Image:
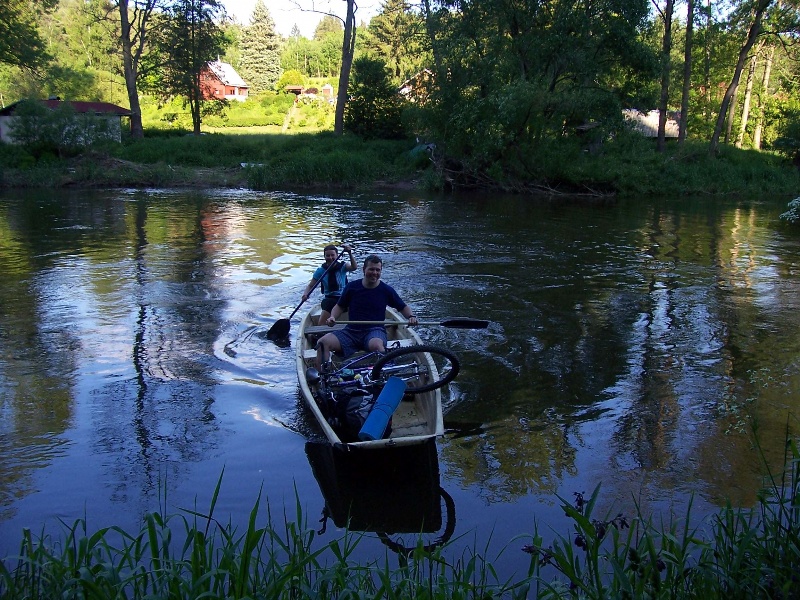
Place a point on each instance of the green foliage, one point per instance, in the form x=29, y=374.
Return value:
x=190, y=38
x=324, y=159
x=21, y=43
x=396, y=34
x=328, y=24
x=374, y=109
x=267, y=109
x=260, y=48
x=793, y=214
x=290, y=77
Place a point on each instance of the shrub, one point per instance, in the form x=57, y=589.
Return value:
x=374, y=110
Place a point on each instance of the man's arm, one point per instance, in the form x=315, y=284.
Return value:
x=336, y=312
x=409, y=315
x=308, y=289
x=352, y=266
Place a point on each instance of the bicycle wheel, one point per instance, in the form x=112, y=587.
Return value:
x=420, y=373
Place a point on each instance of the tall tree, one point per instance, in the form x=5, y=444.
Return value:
x=394, y=34
x=687, y=71
x=261, y=60
x=748, y=94
x=327, y=24
x=762, y=97
x=758, y=8
x=134, y=20
x=666, y=51
x=190, y=39
x=348, y=50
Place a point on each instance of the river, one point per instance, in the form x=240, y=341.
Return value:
x=632, y=344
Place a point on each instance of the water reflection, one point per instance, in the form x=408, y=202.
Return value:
x=389, y=492
x=629, y=343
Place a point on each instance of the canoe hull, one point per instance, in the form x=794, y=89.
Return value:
x=417, y=420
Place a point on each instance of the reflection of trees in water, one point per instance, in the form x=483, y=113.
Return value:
x=513, y=457
x=176, y=325
x=643, y=326
x=36, y=352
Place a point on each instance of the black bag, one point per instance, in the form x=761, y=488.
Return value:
x=352, y=409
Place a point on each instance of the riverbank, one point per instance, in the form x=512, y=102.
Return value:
x=322, y=160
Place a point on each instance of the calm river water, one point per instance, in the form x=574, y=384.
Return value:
x=630, y=343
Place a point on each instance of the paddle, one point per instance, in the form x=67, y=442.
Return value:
x=456, y=323
x=280, y=330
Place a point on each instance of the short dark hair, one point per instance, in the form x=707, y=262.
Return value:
x=373, y=258
x=330, y=247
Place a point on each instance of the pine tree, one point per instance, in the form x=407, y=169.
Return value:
x=261, y=58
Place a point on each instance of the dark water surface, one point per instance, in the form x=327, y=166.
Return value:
x=629, y=344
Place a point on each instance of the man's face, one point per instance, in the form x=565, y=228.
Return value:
x=372, y=273
x=330, y=256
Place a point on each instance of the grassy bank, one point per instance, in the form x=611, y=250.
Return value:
x=626, y=167
x=744, y=554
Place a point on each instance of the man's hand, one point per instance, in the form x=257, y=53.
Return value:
x=330, y=322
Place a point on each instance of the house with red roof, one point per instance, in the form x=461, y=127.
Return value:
x=100, y=120
x=219, y=80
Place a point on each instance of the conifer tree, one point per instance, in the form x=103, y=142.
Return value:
x=261, y=57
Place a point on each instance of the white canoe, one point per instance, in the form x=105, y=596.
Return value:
x=417, y=419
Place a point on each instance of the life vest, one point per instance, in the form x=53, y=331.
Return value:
x=331, y=285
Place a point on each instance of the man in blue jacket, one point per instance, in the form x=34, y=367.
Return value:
x=334, y=281
x=364, y=299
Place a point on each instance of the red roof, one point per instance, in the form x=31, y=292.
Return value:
x=97, y=108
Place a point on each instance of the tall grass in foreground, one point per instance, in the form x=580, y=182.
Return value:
x=749, y=554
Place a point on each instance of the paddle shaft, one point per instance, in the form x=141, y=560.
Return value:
x=463, y=323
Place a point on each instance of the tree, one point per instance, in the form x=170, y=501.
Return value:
x=395, y=34
x=328, y=24
x=190, y=38
x=134, y=21
x=20, y=41
x=666, y=50
x=373, y=110
x=348, y=50
x=758, y=9
x=511, y=75
x=687, y=71
x=261, y=61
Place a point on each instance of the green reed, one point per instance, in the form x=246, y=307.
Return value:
x=747, y=553
x=736, y=553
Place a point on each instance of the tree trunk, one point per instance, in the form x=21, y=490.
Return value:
x=130, y=65
x=687, y=72
x=663, y=103
x=707, y=65
x=752, y=35
x=348, y=49
x=762, y=98
x=748, y=92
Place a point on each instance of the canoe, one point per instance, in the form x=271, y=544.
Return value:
x=417, y=417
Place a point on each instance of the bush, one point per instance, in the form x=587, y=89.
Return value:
x=374, y=110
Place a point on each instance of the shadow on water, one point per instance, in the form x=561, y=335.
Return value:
x=388, y=492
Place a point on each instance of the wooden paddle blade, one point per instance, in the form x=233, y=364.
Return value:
x=465, y=323
x=279, y=331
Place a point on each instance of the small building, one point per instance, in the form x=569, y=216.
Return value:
x=110, y=116
x=417, y=88
x=297, y=90
x=219, y=80
x=647, y=123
